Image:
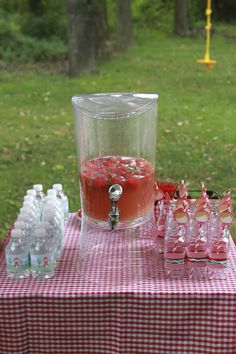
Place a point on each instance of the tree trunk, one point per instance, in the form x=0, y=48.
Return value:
x=124, y=35
x=87, y=34
x=181, y=27
x=102, y=31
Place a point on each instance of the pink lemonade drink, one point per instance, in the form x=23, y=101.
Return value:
x=135, y=175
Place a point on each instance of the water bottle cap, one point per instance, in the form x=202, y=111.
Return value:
x=16, y=233
x=51, y=192
x=38, y=187
x=19, y=224
x=31, y=192
x=40, y=232
x=57, y=187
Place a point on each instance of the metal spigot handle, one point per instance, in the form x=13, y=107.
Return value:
x=115, y=192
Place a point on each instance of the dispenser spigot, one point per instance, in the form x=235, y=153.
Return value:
x=115, y=192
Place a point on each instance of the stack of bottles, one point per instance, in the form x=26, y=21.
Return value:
x=196, y=242
x=36, y=240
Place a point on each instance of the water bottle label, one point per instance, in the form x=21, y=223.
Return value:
x=42, y=262
x=17, y=263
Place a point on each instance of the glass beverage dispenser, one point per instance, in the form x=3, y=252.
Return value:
x=116, y=147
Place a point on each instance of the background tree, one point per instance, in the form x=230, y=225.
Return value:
x=124, y=34
x=37, y=7
x=87, y=34
x=181, y=27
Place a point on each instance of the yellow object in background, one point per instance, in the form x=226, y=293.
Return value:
x=207, y=61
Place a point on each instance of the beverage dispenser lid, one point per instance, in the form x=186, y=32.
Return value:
x=113, y=105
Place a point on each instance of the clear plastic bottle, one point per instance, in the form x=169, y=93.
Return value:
x=40, y=196
x=42, y=256
x=51, y=192
x=27, y=209
x=56, y=227
x=197, y=250
x=34, y=202
x=38, y=200
x=62, y=196
x=218, y=251
x=17, y=255
x=21, y=225
x=52, y=233
x=32, y=206
x=30, y=224
x=54, y=203
x=174, y=250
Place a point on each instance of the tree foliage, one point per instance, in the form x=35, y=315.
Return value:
x=33, y=30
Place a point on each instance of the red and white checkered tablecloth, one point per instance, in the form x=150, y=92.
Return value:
x=68, y=314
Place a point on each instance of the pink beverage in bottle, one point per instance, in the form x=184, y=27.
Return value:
x=174, y=255
x=219, y=242
x=218, y=248
x=197, y=245
x=175, y=249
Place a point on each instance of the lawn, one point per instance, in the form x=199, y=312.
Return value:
x=196, y=120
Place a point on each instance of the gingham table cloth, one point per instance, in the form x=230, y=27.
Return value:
x=68, y=314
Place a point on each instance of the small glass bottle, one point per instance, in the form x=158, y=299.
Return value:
x=174, y=248
x=197, y=249
x=42, y=256
x=17, y=256
x=218, y=252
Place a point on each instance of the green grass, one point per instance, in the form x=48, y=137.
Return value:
x=196, y=121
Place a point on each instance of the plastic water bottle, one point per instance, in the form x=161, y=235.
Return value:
x=17, y=256
x=40, y=196
x=53, y=235
x=54, y=204
x=27, y=218
x=56, y=227
x=42, y=256
x=21, y=225
x=38, y=200
x=62, y=196
x=31, y=213
x=36, y=206
x=53, y=197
